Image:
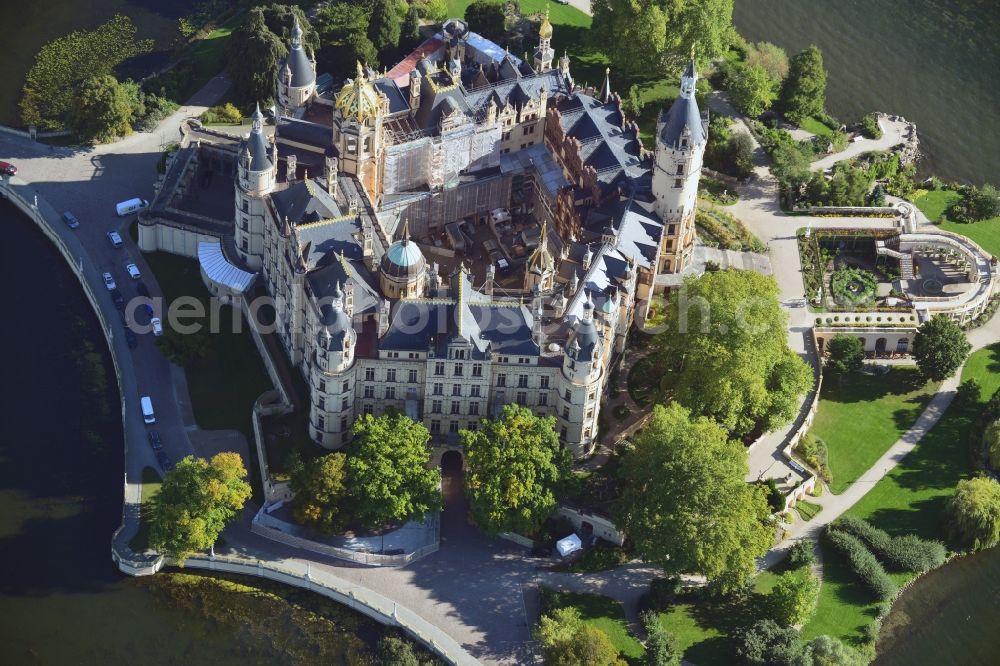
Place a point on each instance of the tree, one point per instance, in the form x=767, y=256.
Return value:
x=976, y=204
x=686, y=504
x=320, y=488
x=513, y=463
x=801, y=554
x=790, y=165
x=254, y=54
x=101, y=110
x=793, y=598
x=741, y=151
x=847, y=354
x=767, y=644
x=487, y=18
x=940, y=348
x=661, y=645
x=991, y=440
x=387, y=470
x=567, y=641
x=432, y=10
x=184, y=348
x=725, y=353
x=196, y=501
x=804, y=92
x=975, y=512
x=409, y=32
x=394, y=651
x=771, y=58
x=343, y=30
x=384, y=25
x=752, y=90
x=828, y=651
x=279, y=19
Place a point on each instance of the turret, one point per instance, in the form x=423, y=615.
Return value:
x=606, y=87
x=414, y=91
x=297, y=75
x=255, y=178
x=544, y=53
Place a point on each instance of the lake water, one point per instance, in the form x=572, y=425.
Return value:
x=935, y=62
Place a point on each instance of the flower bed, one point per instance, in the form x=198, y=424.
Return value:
x=853, y=286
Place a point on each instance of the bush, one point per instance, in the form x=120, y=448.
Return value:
x=223, y=114
x=661, y=645
x=813, y=452
x=863, y=563
x=662, y=592
x=976, y=204
x=902, y=553
x=801, y=554
x=991, y=440
x=766, y=643
x=793, y=598
x=870, y=127
x=394, y=651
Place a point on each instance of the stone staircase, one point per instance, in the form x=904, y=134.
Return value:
x=888, y=248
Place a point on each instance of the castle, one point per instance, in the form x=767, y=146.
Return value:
x=461, y=232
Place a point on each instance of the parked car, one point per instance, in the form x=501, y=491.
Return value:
x=157, y=326
x=165, y=462
x=71, y=220
x=154, y=440
x=115, y=238
x=131, y=338
x=109, y=281
x=8, y=169
x=133, y=271
x=142, y=289
x=118, y=299
x=132, y=205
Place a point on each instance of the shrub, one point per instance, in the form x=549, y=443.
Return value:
x=793, y=598
x=975, y=513
x=801, y=554
x=976, y=204
x=902, y=553
x=765, y=642
x=870, y=127
x=775, y=498
x=394, y=651
x=813, y=451
x=661, y=645
x=663, y=591
x=222, y=114
x=991, y=440
x=863, y=563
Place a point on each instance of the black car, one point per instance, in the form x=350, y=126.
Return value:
x=141, y=287
x=119, y=300
x=164, y=461
x=131, y=338
x=154, y=440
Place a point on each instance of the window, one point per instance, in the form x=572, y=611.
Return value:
x=320, y=423
x=344, y=403
x=472, y=427
x=590, y=396
x=438, y=389
x=680, y=169
x=543, y=399
x=435, y=427
x=566, y=395
x=671, y=229
x=501, y=380
x=456, y=389
x=453, y=426
x=412, y=377
x=321, y=403
x=545, y=382
x=439, y=368
x=246, y=244
x=322, y=385
x=246, y=224
x=369, y=391
x=368, y=409
x=435, y=407
x=474, y=408
x=343, y=424
x=522, y=397
x=477, y=370
x=590, y=414
x=586, y=433
x=566, y=413
x=506, y=136
x=347, y=385
x=474, y=391
x=246, y=206
x=562, y=433
x=370, y=374
x=390, y=375
x=522, y=381
x=390, y=392
x=458, y=369
x=677, y=182
x=456, y=407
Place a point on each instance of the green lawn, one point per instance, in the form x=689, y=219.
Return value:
x=816, y=127
x=909, y=500
x=682, y=621
x=934, y=204
x=860, y=416
x=151, y=483
x=807, y=510
x=602, y=612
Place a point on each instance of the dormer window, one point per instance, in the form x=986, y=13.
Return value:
x=684, y=143
x=680, y=169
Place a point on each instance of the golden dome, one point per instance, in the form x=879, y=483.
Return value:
x=358, y=99
x=545, y=29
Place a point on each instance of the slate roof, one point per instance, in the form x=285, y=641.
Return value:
x=398, y=102
x=298, y=62
x=516, y=91
x=303, y=202
x=335, y=271
x=302, y=131
x=683, y=115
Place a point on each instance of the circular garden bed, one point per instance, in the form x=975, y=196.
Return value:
x=853, y=286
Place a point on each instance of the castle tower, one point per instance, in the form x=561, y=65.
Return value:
x=359, y=111
x=606, y=88
x=564, y=68
x=544, y=53
x=540, y=271
x=414, y=90
x=403, y=271
x=296, y=75
x=331, y=378
x=681, y=136
x=580, y=382
x=255, y=178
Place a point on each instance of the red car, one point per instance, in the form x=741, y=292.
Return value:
x=8, y=169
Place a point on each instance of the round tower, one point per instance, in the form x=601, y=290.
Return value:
x=297, y=74
x=403, y=271
x=255, y=178
x=580, y=383
x=331, y=410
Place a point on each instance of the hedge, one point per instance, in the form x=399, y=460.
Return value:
x=902, y=553
x=863, y=563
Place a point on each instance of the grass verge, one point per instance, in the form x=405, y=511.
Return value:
x=934, y=205
x=151, y=483
x=602, y=612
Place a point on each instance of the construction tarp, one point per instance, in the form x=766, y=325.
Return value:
x=570, y=544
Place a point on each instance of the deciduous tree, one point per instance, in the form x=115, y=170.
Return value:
x=196, y=501
x=567, y=641
x=847, y=354
x=766, y=644
x=254, y=54
x=771, y=57
x=487, y=18
x=975, y=513
x=804, y=92
x=725, y=352
x=828, y=651
x=320, y=488
x=387, y=470
x=101, y=110
x=793, y=598
x=183, y=348
x=513, y=463
x=940, y=348
x=686, y=504
x=752, y=90
x=790, y=165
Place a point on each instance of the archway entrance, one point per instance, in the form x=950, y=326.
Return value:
x=453, y=517
x=880, y=346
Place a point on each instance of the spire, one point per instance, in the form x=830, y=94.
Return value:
x=606, y=88
x=545, y=28
x=258, y=120
x=406, y=230
x=296, y=33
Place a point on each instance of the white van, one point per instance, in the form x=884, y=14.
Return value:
x=130, y=206
x=147, y=410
